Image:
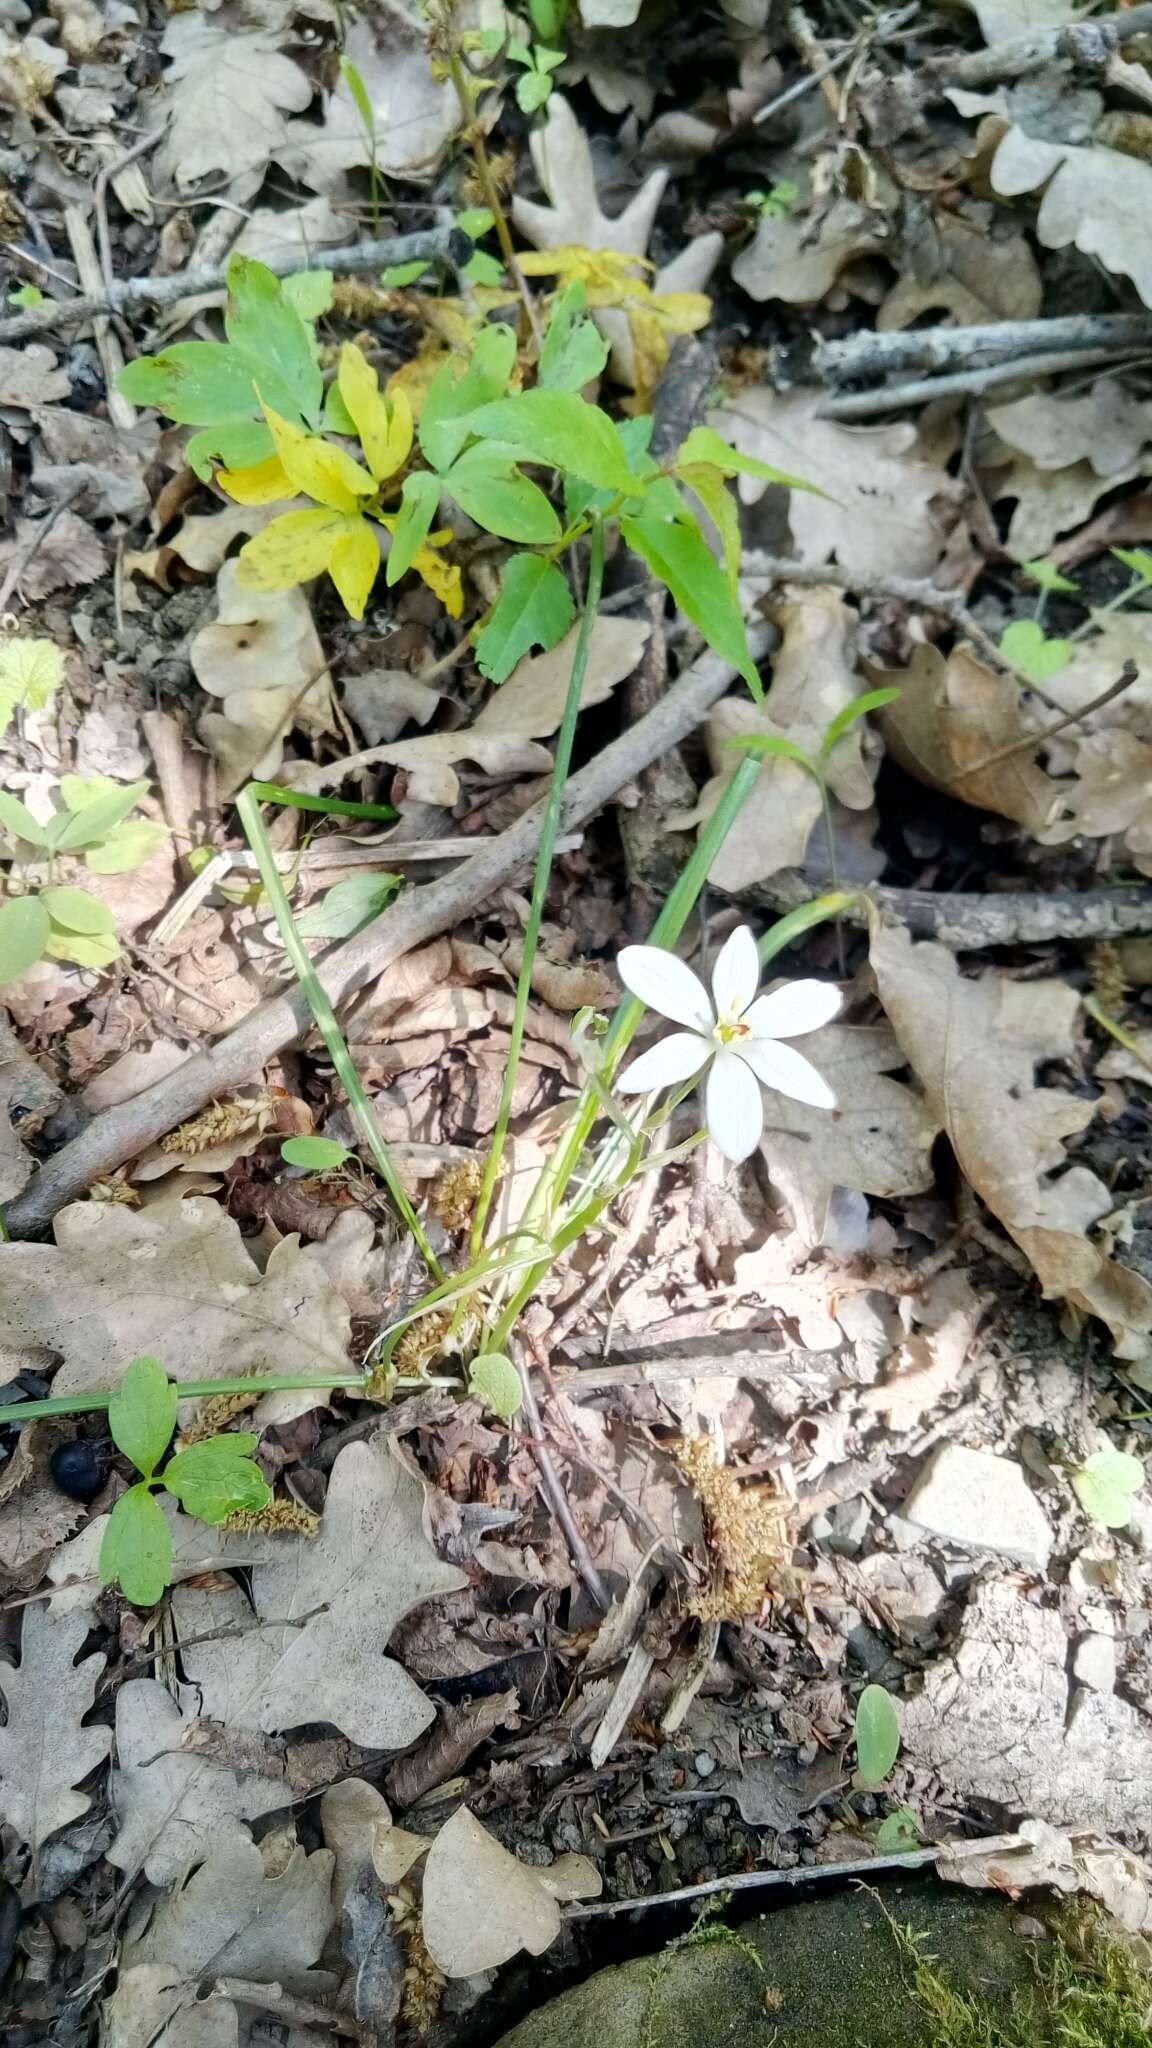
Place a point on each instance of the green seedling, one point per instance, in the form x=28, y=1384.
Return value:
x=777, y=202
x=1106, y=1486
x=317, y=1155
x=211, y=1480
x=40, y=918
x=1025, y=646
x=534, y=87
x=877, y=1735
x=1047, y=577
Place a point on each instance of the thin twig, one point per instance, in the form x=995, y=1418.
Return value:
x=433, y=245
x=553, y=1487
x=867, y=405
x=968, y=922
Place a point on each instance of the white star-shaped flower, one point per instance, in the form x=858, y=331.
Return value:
x=735, y=1032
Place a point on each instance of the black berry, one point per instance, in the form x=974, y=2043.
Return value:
x=79, y=1469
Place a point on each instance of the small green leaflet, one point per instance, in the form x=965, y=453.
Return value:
x=127, y=846
x=198, y=383
x=310, y=291
x=476, y=221
x=18, y=822
x=487, y=486
x=496, y=1382
x=1138, y=560
x=898, y=1830
x=635, y=434
x=877, y=1737
x=398, y=275
x=703, y=445
x=1047, y=576
x=1026, y=645
x=534, y=609
x=277, y=344
x=31, y=672
x=446, y=415
x=92, y=817
x=319, y=1155
x=24, y=933
x=74, y=910
x=677, y=552
x=562, y=430
x=574, y=349
x=868, y=700
x=142, y=1414
x=765, y=746
x=418, y=501
x=137, y=1549
x=238, y=444
x=348, y=906
x=218, y=1478
x=1106, y=1486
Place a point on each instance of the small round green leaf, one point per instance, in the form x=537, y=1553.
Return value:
x=495, y=1380
x=217, y=1478
x=136, y=1552
x=877, y=1736
x=24, y=933
x=74, y=910
x=1105, y=1486
x=319, y=1155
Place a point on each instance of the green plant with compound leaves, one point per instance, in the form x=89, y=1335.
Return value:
x=43, y=917
x=211, y=1480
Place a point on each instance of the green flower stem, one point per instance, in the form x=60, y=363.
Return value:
x=555, y=1176
x=248, y=808
x=553, y=814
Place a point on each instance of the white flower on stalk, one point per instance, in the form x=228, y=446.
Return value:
x=735, y=1032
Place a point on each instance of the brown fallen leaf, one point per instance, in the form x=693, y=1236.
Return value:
x=415, y=111
x=878, y=1140
x=952, y=720
x=1049, y=502
x=974, y=1046
x=48, y=1695
x=813, y=678
x=215, y=70
x=29, y=377
x=797, y=260
x=1106, y=426
x=263, y=658
x=1111, y=796
x=70, y=554
x=480, y=1904
x=885, y=510
x=974, y=276
x=1119, y=638
x=173, y=1806
x=1096, y=198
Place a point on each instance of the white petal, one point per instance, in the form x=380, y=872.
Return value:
x=734, y=1107
x=787, y=1071
x=793, y=1009
x=736, y=975
x=665, y=984
x=674, y=1059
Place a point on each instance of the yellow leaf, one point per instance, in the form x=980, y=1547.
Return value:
x=682, y=312
x=602, y=269
x=414, y=378
x=650, y=325
x=317, y=468
x=443, y=578
x=385, y=429
x=262, y=484
x=354, y=562
x=293, y=549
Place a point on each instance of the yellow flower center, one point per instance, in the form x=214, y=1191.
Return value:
x=730, y=1028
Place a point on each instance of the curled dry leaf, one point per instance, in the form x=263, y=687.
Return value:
x=1045, y=1856
x=264, y=659
x=1106, y=426
x=812, y=679
x=796, y=260
x=885, y=510
x=877, y=1141
x=974, y=1046
x=1095, y=198
x=176, y=1283
x=481, y=1905
x=952, y=719
x=44, y=1748
x=503, y=740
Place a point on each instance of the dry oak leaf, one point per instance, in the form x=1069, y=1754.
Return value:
x=173, y=1806
x=798, y=260
x=813, y=678
x=1111, y=796
x=885, y=511
x=503, y=740
x=973, y=1046
x=370, y=1564
x=414, y=114
x=69, y=554
x=1002, y=20
x=1096, y=198
x=1120, y=637
x=44, y=1747
x=562, y=156
x=953, y=716
x=1106, y=426
x=878, y=1140
x=1049, y=502
x=973, y=276
x=481, y=1905
x=233, y=1917
x=29, y=377
x=225, y=99
x=263, y=657
x=174, y=1282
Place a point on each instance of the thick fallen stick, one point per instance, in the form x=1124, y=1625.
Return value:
x=1089, y=43
x=435, y=245
x=865, y=355
x=419, y=915
x=968, y=923
x=882, y=398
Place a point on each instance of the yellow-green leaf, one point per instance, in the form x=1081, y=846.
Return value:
x=260, y=484
x=24, y=930
x=353, y=566
x=127, y=846
x=561, y=429
x=318, y=468
x=84, y=949
x=707, y=482
x=293, y=549
x=383, y=424
x=74, y=910
x=31, y=672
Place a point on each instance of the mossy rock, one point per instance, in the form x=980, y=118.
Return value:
x=833, y=1974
